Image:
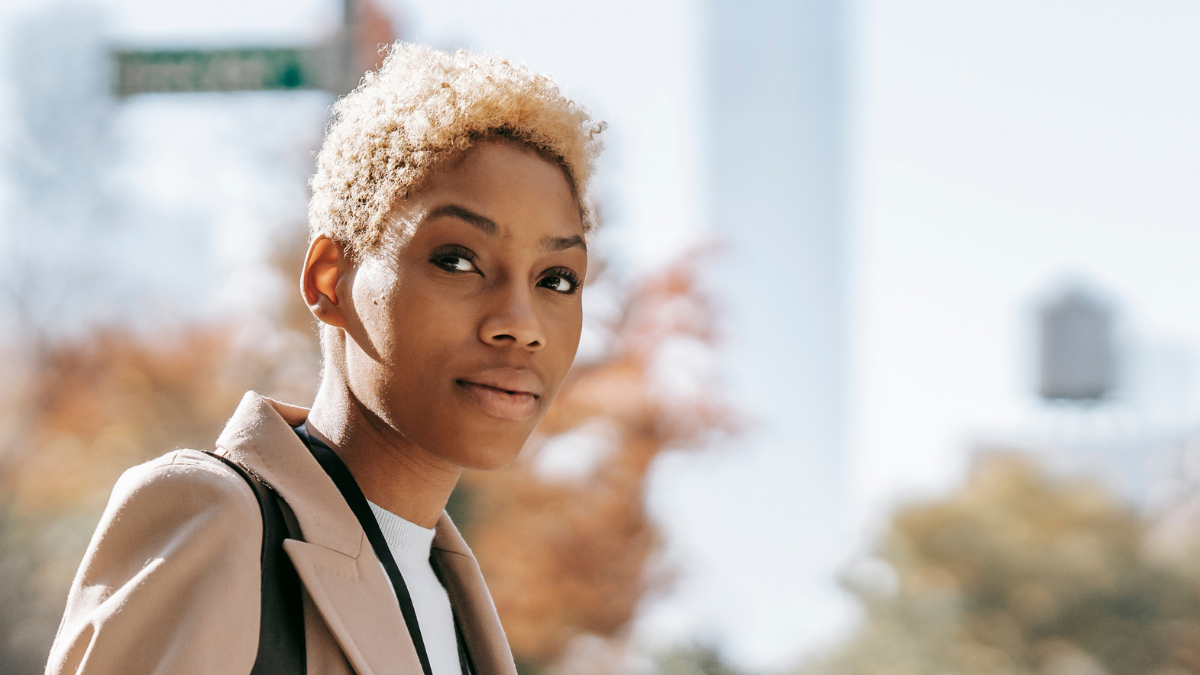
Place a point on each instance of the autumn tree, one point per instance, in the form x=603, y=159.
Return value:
x=1019, y=572
x=90, y=409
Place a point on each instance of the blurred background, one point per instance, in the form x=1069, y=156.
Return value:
x=890, y=367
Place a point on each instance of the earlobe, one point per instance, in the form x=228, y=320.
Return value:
x=319, y=280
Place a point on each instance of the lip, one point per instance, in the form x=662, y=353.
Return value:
x=505, y=393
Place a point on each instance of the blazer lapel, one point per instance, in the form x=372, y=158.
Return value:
x=335, y=562
x=471, y=601
x=351, y=594
x=259, y=436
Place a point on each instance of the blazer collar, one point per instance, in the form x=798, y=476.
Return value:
x=351, y=590
x=259, y=436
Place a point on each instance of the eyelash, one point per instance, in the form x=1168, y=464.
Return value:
x=450, y=252
x=563, y=273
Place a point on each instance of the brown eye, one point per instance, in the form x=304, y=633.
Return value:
x=454, y=259
x=561, y=281
x=454, y=263
x=559, y=284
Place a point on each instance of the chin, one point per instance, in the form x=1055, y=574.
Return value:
x=491, y=458
x=496, y=452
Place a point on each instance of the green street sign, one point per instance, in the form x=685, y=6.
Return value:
x=143, y=72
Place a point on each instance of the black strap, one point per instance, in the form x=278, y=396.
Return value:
x=281, y=624
x=353, y=495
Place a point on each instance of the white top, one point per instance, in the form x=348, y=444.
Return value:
x=410, y=545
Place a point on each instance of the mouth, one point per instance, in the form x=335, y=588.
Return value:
x=500, y=402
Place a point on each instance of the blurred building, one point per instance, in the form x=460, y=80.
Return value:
x=778, y=139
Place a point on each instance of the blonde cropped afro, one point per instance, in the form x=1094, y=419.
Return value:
x=422, y=107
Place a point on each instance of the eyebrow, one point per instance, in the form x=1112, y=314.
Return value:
x=482, y=223
x=555, y=244
x=490, y=228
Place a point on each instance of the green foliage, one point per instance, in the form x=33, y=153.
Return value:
x=1018, y=573
x=695, y=660
x=17, y=567
x=37, y=558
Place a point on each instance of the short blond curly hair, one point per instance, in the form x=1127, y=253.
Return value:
x=424, y=106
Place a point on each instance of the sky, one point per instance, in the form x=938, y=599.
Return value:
x=1007, y=149
x=996, y=151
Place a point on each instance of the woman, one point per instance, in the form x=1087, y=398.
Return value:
x=448, y=223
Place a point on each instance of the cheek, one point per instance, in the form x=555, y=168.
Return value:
x=375, y=297
x=411, y=321
x=564, y=329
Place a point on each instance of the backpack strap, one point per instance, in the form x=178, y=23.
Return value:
x=281, y=628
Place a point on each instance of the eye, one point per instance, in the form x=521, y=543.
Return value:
x=560, y=281
x=454, y=259
x=456, y=263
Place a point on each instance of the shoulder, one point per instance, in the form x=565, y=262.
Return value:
x=173, y=568
x=186, y=467
x=186, y=480
x=183, y=499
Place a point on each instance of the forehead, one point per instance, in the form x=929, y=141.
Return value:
x=509, y=183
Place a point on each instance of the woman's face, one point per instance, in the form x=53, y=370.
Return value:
x=464, y=322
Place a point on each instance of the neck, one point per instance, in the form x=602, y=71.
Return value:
x=391, y=470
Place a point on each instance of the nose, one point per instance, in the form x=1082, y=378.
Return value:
x=513, y=321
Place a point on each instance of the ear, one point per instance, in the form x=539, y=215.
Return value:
x=324, y=267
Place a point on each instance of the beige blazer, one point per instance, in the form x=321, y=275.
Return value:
x=170, y=581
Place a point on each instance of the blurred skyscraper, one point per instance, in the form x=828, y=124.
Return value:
x=778, y=141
